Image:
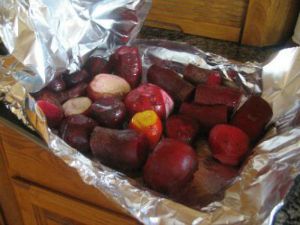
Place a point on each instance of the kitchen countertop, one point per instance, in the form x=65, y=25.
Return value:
x=290, y=213
x=227, y=49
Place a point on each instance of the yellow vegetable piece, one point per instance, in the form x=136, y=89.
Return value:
x=144, y=119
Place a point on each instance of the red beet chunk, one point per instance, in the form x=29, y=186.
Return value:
x=109, y=111
x=253, y=116
x=209, y=183
x=214, y=78
x=121, y=149
x=207, y=116
x=228, y=144
x=217, y=95
x=171, y=166
x=74, y=92
x=197, y=75
x=127, y=63
x=75, y=131
x=57, y=84
x=75, y=78
x=149, y=97
x=52, y=110
x=96, y=65
x=179, y=89
x=182, y=128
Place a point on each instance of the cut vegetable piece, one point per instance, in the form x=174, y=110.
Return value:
x=207, y=116
x=109, y=111
x=149, y=124
x=253, y=116
x=170, y=166
x=228, y=144
x=217, y=95
x=149, y=97
x=179, y=89
x=126, y=150
x=75, y=130
x=107, y=85
x=127, y=64
x=182, y=128
x=53, y=112
x=79, y=105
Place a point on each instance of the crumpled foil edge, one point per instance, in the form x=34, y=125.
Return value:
x=252, y=199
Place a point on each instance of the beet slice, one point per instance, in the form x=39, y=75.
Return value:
x=179, y=89
x=217, y=95
x=75, y=130
x=127, y=63
x=107, y=85
x=126, y=150
x=109, y=111
x=228, y=144
x=253, y=116
x=53, y=112
x=207, y=116
x=149, y=97
x=182, y=128
x=79, y=105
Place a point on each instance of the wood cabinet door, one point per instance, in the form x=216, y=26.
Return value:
x=1, y=218
x=44, y=207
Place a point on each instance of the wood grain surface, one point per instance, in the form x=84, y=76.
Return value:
x=45, y=186
x=270, y=22
x=250, y=22
x=8, y=200
x=29, y=159
x=1, y=218
x=41, y=207
x=221, y=19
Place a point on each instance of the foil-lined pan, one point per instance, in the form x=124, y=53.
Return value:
x=45, y=37
x=253, y=197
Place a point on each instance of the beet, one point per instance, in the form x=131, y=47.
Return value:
x=179, y=89
x=125, y=150
x=171, y=166
x=217, y=95
x=108, y=111
x=149, y=97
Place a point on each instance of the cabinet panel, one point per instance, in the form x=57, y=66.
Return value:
x=8, y=200
x=270, y=22
x=29, y=159
x=220, y=19
x=43, y=207
x=1, y=218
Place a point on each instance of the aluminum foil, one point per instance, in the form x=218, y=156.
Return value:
x=256, y=193
x=41, y=39
x=49, y=37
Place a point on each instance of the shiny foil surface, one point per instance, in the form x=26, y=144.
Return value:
x=41, y=45
x=49, y=36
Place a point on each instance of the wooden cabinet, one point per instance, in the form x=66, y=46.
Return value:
x=37, y=188
x=251, y=22
x=41, y=207
x=1, y=218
